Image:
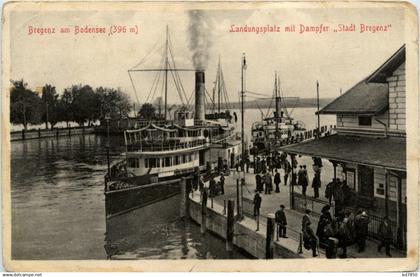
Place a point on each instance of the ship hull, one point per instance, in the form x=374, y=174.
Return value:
x=124, y=200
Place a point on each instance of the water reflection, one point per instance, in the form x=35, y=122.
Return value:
x=58, y=209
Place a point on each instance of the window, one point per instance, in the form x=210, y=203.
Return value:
x=365, y=121
x=176, y=160
x=168, y=161
x=133, y=163
x=157, y=162
x=152, y=163
x=380, y=190
x=146, y=162
x=184, y=159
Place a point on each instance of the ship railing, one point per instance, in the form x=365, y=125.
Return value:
x=165, y=147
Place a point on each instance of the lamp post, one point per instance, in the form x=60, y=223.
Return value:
x=107, y=118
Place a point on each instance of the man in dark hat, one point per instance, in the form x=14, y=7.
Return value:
x=257, y=206
x=385, y=234
x=222, y=183
x=306, y=219
x=361, y=225
x=257, y=203
x=309, y=239
x=277, y=180
x=281, y=222
x=324, y=220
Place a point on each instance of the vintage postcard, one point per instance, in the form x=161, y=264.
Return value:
x=210, y=136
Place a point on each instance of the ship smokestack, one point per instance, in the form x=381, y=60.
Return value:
x=200, y=94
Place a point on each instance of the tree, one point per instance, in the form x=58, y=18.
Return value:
x=147, y=111
x=66, y=105
x=49, y=99
x=84, y=104
x=113, y=102
x=24, y=104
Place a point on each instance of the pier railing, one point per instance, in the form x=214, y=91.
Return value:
x=301, y=203
x=165, y=146
x=248, y=211
x=47, y=133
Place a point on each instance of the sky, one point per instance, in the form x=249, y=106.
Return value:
x=336, y=60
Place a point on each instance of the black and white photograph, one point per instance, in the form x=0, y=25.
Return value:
x=192, y=131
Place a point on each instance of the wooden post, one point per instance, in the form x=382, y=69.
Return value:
x=230, y=225
x=269, y=243
x=204, y=212
x=39, y=132
x=242, y=198
x=23, y=134
x=238, y=200
x=56, y=133
x=184, y=209
x=400, y=236
x=386, y=193
x=292, y=184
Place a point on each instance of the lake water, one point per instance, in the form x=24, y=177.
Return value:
x=58, y=209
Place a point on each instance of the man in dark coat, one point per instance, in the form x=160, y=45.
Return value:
x=287, y=169
x=361, y=223
x=259, y=184
x=257, y=204
x=309, y=239
x=281, y=222
x=329, y=190
x=277, y=181
x=268, y=183
x=324, y=220
x=212, y=188
x=385, y=234
x=316, y=184
x=222, y=183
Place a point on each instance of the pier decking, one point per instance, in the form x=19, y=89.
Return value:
x=253, y=241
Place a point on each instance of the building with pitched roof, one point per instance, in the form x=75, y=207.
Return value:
x=369, y=147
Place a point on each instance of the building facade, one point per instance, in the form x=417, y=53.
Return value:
x=368, y=150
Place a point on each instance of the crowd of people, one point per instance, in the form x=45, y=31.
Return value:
x=344, y=229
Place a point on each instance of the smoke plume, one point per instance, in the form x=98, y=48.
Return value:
x=200, y=38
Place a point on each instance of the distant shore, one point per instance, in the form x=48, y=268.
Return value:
x=270, y=103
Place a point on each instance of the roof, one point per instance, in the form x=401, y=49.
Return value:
x=363, y=98
x=352, y=149
x=370, y=96
x=386, y=70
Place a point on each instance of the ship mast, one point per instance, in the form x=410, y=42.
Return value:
x=243, y=68
x=277, y=106
x=218, y=85
x=166, y=72
x=167, y=67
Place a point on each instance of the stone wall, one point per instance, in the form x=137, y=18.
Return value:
x=245, y=238
x=397, y=115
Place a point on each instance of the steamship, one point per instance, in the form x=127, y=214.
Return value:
x=160, y=152
x=277, y=129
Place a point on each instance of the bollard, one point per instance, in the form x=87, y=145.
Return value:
x=69, y=131
x=23, y=134
x=39, y=132
x=331, y=251
x=224, y=207
x=56, y=133
x=269, y=243
x=204, y=212
x=230, y=220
